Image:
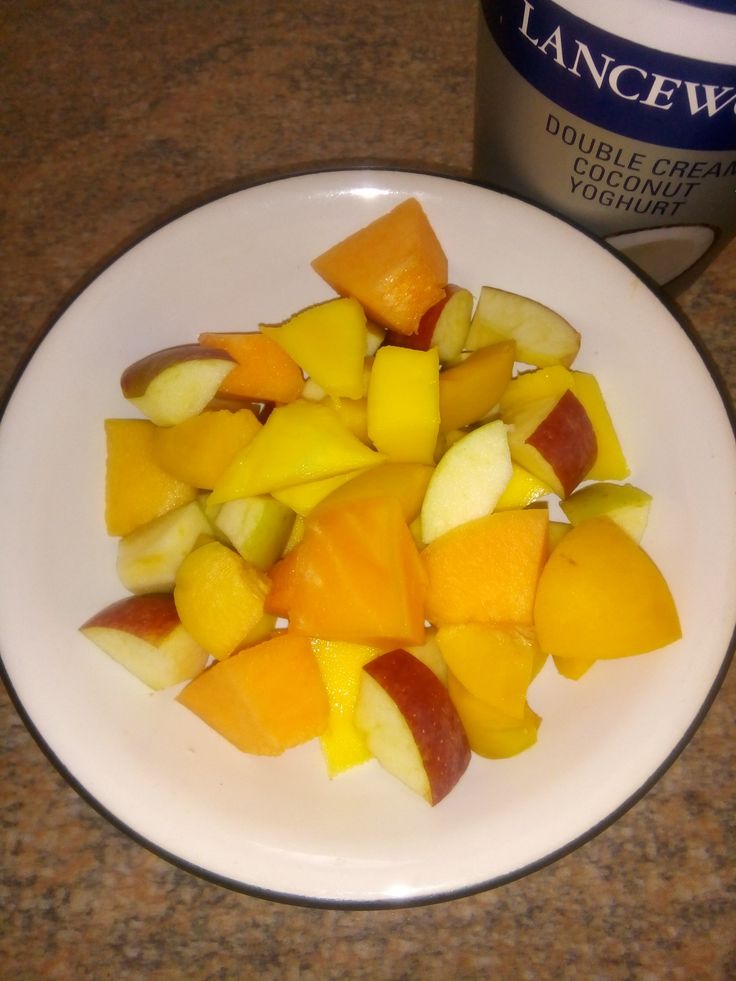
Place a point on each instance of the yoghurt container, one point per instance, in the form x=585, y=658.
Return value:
x=619, y=116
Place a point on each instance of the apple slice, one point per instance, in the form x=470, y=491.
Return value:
x=542, y=336
x=144, y=634
x=444, y=326
x=149, y=557
x=554, y=440
x=467, y=481
x=625, y=504
x=258, y=527
x=411, y=725
x=175, y=383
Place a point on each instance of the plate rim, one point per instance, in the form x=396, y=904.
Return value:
x=386, y=902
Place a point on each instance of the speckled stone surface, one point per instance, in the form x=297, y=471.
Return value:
x=113, y=115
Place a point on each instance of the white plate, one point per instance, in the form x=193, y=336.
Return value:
x=279, y=827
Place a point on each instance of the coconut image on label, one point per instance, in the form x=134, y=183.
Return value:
x=664, y=252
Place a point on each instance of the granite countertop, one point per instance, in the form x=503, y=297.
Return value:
x=113, y=115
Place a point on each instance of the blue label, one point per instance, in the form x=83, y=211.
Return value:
x=614, y=83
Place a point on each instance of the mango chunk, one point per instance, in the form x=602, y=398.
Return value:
x=198, y=449
x=328, y=342
x=470, y=389
x=137, y=488
x=395, y=267
x=403, y=403
x=219, y=598
x=355, y=576
x=486, y=571
x=340, y=664
x=299, y=442
x=264, y=370
x=600, y=595
x=264, y=699
x=492, y=733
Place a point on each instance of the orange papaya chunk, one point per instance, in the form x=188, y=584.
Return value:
x=358, y=576
x=395, y=267
x=264, y=371
x=486, y=570
x=264, y=699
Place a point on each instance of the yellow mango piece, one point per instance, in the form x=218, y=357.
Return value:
x=394, y=266
x=353, y=413
x=552, y=382
x=403, y=403
x=303, y=498
x=406, y=482
x=522, y=490
x=470, y=389
x=600, y=595
x=492, y=733
x=198, y=449
x=328, y=342
x=219, y=597
x=573, y=667
x=340, y=664
x=137, y=488
x=493, y=661
x=264, y=699
x=557, y=531
x=486, y=571
x=299, y=442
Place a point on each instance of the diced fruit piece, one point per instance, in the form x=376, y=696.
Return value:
x=522, y=489
x=357, y=576
x=600, y=595
x=264, y=699
x=429, y=653
x=264, y=371
x=493, y=661
x=625, y=504
x=176, y=383
x=405, y=482
x=542, y=336
x=554, y=440
x=557, y=531
x=491, y=733
x=486, y=571
x=340, y=665
x=149, y=557
x=219, y=597
x=328, y=342
x=299, y=442
x=394, y=267
x=258, y=527
x=283, y=583
x=137, y=488
x=470, y=389
x=144, y=634
x=444, y=326
x=530, y=386
x=467, y=481
x=198, y=449
x=411, y=725
x=353, y=413
x=304, y=498
x=403, y=404
x=573, y=667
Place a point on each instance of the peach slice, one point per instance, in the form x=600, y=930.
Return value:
x=542, y=336
x=145, y=635
x=554, y=440
x=411, y=725
x=176, y=383
x=471, y=389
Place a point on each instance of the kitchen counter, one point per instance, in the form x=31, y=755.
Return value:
x=114, y=116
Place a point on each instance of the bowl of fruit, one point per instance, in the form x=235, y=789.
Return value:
x=354, y=542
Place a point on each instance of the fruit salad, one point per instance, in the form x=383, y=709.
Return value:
x=339, y=527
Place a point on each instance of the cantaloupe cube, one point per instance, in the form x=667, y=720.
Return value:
x=406, y=482
x=395, y=267
x=264, y=699
x=264, y=371
x=486, y=571
x=137, y=488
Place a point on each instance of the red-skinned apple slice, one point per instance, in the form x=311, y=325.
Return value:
x=444, y=326
x=554, y=439
x=143, y=633
x=411, y=724
x=175, y=383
